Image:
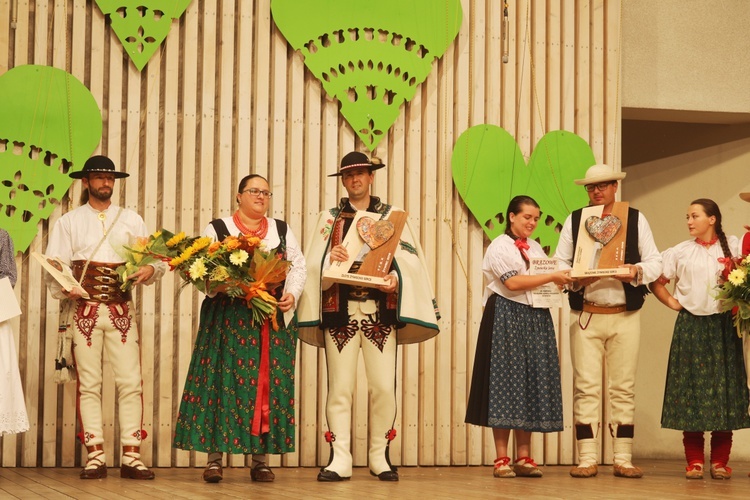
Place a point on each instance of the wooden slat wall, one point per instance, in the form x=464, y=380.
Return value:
x=226, y=96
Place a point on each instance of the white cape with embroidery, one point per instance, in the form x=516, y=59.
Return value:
x=417, y=308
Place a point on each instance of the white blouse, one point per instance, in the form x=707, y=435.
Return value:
x=295, y=280
x=502, y=261
x=695, y=270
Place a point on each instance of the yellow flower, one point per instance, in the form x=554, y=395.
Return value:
x=189, y=252
x=746, y=262
x=737, y=277
x=175, y=262
x=156, y=234
x=201, y=243
x=174, y=240
x=219, y=274
x=197, y=270
x=238, y=257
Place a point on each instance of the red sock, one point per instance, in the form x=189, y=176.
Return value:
x=721, y=445
x=693, y=443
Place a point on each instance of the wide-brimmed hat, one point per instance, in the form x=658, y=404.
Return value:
x=98, y=163
x=745, y=196
x=600, y=173
x=355, y=159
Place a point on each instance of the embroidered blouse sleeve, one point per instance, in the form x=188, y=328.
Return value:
x=295, y=280
x=499, y=262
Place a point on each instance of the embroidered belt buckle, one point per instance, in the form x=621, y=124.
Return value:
x=592, y=308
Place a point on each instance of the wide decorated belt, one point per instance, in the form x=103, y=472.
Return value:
x=101, y=281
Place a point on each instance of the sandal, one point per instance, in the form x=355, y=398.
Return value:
x=213, y=473
x=96, y=467
x=526, y=467
x=502, y=468
x=694, y=471
x=262, y=473
x=720, y=471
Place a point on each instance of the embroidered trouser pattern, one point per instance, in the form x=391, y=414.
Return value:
x=98, y=327
x=342, y=346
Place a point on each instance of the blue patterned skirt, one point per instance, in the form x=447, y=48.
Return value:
x=516, y=378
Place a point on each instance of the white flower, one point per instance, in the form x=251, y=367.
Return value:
x=197, y=269
x=737, y=277
x=238, y=257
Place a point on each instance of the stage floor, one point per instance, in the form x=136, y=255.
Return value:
x=663, y=479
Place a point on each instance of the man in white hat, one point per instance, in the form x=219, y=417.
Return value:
x=605, y=323
x=87, y=241
x=347, y=319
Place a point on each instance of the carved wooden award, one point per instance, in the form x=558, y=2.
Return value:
x=373, y=242
x=600, y=250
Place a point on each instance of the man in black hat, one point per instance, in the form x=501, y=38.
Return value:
x=88, y=241
x=346, y=318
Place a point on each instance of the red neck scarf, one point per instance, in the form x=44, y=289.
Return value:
x=522, y=246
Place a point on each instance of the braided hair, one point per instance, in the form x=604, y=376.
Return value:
x=712, y=210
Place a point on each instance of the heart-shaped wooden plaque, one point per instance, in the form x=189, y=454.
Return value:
x=375, y=233
x=603, y=229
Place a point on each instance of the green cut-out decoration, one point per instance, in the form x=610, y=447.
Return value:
x=142, y=25
x=370, y=55
x=489, y=170
x=49, y=125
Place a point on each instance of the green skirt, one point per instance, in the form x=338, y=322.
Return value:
x=706, y=386
x=218, y=408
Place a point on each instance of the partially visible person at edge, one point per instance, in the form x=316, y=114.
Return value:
x=13, y=417
x=90, y=240
x=344, y=319
x=605, y=322
x=746, y=335
x=516, y=377
x=239, y=392
x=706, y=383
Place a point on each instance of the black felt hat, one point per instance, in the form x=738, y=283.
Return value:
x=98, y=163
x=355, y=159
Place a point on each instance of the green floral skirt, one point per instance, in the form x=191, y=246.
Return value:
x=218, y=407
x=706, y=385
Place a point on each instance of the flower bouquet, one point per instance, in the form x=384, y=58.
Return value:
x=238, y=266
x=135, y=257
x=734, y=291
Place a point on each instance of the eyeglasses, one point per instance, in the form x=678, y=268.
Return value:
x=258, y=192
x=599, y=187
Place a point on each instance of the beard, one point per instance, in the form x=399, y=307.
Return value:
x=102, y=194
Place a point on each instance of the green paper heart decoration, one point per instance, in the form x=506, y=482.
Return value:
x=142, y=25
x=49, y=125
x=370, y=55
x=489, y=170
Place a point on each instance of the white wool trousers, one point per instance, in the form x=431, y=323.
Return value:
x=616, y=339
x=94, y=331
x=380, y=368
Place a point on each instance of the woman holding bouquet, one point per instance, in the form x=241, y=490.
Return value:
x=705, y=388
x=516, y=377
x=239, y=393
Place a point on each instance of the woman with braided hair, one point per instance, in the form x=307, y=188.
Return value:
x=706, y=387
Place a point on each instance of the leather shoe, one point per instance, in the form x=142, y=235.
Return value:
x=330, y=476
x=262, y=473
x=213, y=473
x=95, y=473
x=386, y=475
x=583, y=472
x=128, y=472
x=628, y=472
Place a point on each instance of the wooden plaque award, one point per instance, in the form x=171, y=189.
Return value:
x=373, y=242
x=600, y=250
